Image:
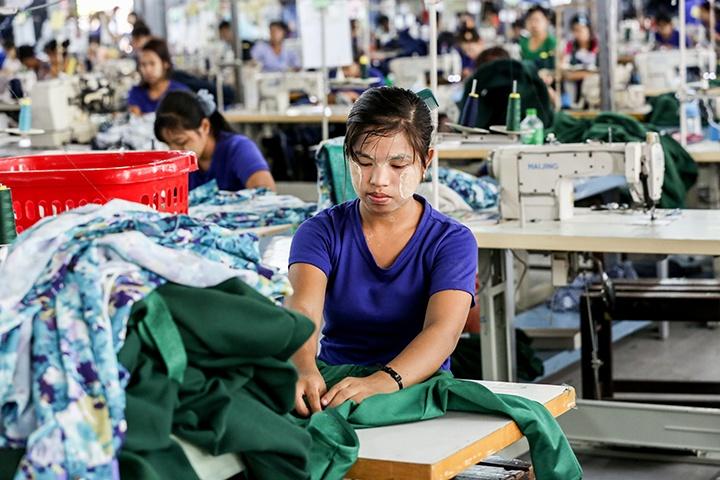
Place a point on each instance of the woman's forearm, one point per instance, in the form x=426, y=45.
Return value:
x=425, y=354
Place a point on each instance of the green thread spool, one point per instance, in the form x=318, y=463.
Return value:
x=7, y=216
x=512, y=117
x=364, y=62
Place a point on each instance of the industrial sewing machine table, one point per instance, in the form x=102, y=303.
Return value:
x=678, y=300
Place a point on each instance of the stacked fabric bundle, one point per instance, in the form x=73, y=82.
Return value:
x=68, y=286
x=247, y=208
x=132, y=132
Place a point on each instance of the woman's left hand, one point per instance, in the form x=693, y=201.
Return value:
x=358, y=389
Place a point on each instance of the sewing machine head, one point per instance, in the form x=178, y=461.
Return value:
x=537, y=181
x=411, y=72
x=274, y=89
x=660, y=69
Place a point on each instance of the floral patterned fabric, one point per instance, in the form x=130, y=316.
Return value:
x=63, y=319
x=247, y=208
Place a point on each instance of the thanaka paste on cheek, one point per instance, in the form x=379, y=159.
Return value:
x=356, y=176
x=409, y=180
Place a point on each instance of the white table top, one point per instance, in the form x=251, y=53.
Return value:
x=688, y=232
x=459, y=151
x=299, y=114
x=702, y=152
x=705, y=151
x=443, y=447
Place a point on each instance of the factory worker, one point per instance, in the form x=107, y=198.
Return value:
x=155, y=68
x=392, y=277
x=189, y=121
x=539, y=46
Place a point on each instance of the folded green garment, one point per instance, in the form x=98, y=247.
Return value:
x=552, y=456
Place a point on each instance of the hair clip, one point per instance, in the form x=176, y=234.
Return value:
x=207, y=102
x=427, y=96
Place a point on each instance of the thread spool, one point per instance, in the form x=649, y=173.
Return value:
x=8, y=231
x=364, y=62
x=25, y=119
x=512, y=118
x=471, y=109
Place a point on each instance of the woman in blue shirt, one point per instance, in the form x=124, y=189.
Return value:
x=188, y=121
x=155, y=68
x=392, y=277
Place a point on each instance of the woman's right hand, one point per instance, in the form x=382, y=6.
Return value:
x=311, y=387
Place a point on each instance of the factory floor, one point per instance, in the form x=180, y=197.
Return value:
x=692, y=352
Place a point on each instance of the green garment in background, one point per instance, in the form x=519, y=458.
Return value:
x=543, y=57
x=552, y=457
x=680, y=168
x=665, y=110
x=494, y=85
x=237, y=388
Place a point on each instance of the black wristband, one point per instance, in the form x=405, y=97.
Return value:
x=395, y=375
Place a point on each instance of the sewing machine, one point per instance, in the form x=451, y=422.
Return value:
x=660, y=70
x=270, y=92
x=536, y=181
x=411, y=72
x=54, y=111
x=628, y=97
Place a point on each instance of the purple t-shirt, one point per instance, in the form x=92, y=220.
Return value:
x=234, y=161
x=371, y=314
x=138, y=96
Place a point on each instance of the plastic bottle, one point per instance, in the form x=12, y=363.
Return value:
x=531, y=122
x=694, y=122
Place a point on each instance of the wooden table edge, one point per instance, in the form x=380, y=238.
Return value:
x=461, y=460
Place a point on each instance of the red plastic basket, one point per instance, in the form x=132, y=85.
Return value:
x=45, y=185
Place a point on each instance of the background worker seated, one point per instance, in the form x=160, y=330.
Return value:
x=495, y=75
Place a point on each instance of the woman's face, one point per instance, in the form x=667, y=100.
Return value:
x=277, y=35
x=386, y=173
x=581, y=33
x=192, y=140
x=152, y=68
x=537, y=24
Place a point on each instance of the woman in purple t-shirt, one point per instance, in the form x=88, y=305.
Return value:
x=392, y=278
x=155, y=66
x=189, y=121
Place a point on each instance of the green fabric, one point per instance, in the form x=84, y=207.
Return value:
x=237, y=390
x=551, y=454
x=337, y=166
x=157, y=329
x=665, y=110
x=543, y=57
x=494, y=85
x=680, y=168
x=239, y=386
x=9, y=462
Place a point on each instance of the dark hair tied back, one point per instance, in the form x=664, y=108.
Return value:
x=385, y=112
x=181, y=110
